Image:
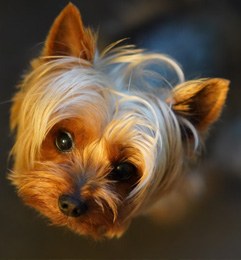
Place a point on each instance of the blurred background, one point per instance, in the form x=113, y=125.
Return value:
x=203, y=36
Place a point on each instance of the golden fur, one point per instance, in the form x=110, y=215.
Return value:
x=114, y=116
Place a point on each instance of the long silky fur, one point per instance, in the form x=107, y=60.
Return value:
x=60, y=88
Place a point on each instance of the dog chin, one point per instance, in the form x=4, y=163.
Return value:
x=100, y=231
x=98, y=228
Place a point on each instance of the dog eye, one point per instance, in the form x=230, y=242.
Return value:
x=123, y=171
x=64, y=141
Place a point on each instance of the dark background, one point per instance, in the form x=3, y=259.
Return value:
x=205, y=37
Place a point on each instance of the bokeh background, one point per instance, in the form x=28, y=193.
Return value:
x=205, y=37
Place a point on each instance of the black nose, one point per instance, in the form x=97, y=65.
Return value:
x=72, y=206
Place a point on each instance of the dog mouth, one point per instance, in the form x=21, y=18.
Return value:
x=98, y=223
x=86, y=217
x=96, y=227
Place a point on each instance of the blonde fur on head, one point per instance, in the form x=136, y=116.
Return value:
x=116, y=120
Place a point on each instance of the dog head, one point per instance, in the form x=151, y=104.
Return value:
x=93, y=149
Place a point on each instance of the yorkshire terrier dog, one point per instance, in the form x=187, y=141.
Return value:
x=97, y=142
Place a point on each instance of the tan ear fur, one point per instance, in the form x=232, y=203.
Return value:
x=201, y=101
x=69, y=37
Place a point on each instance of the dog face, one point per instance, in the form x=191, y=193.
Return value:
x=90, y=152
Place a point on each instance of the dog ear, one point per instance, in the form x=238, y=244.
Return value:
x=69, y=37
x=201, y=101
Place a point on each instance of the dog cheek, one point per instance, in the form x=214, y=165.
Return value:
x=42, y=194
